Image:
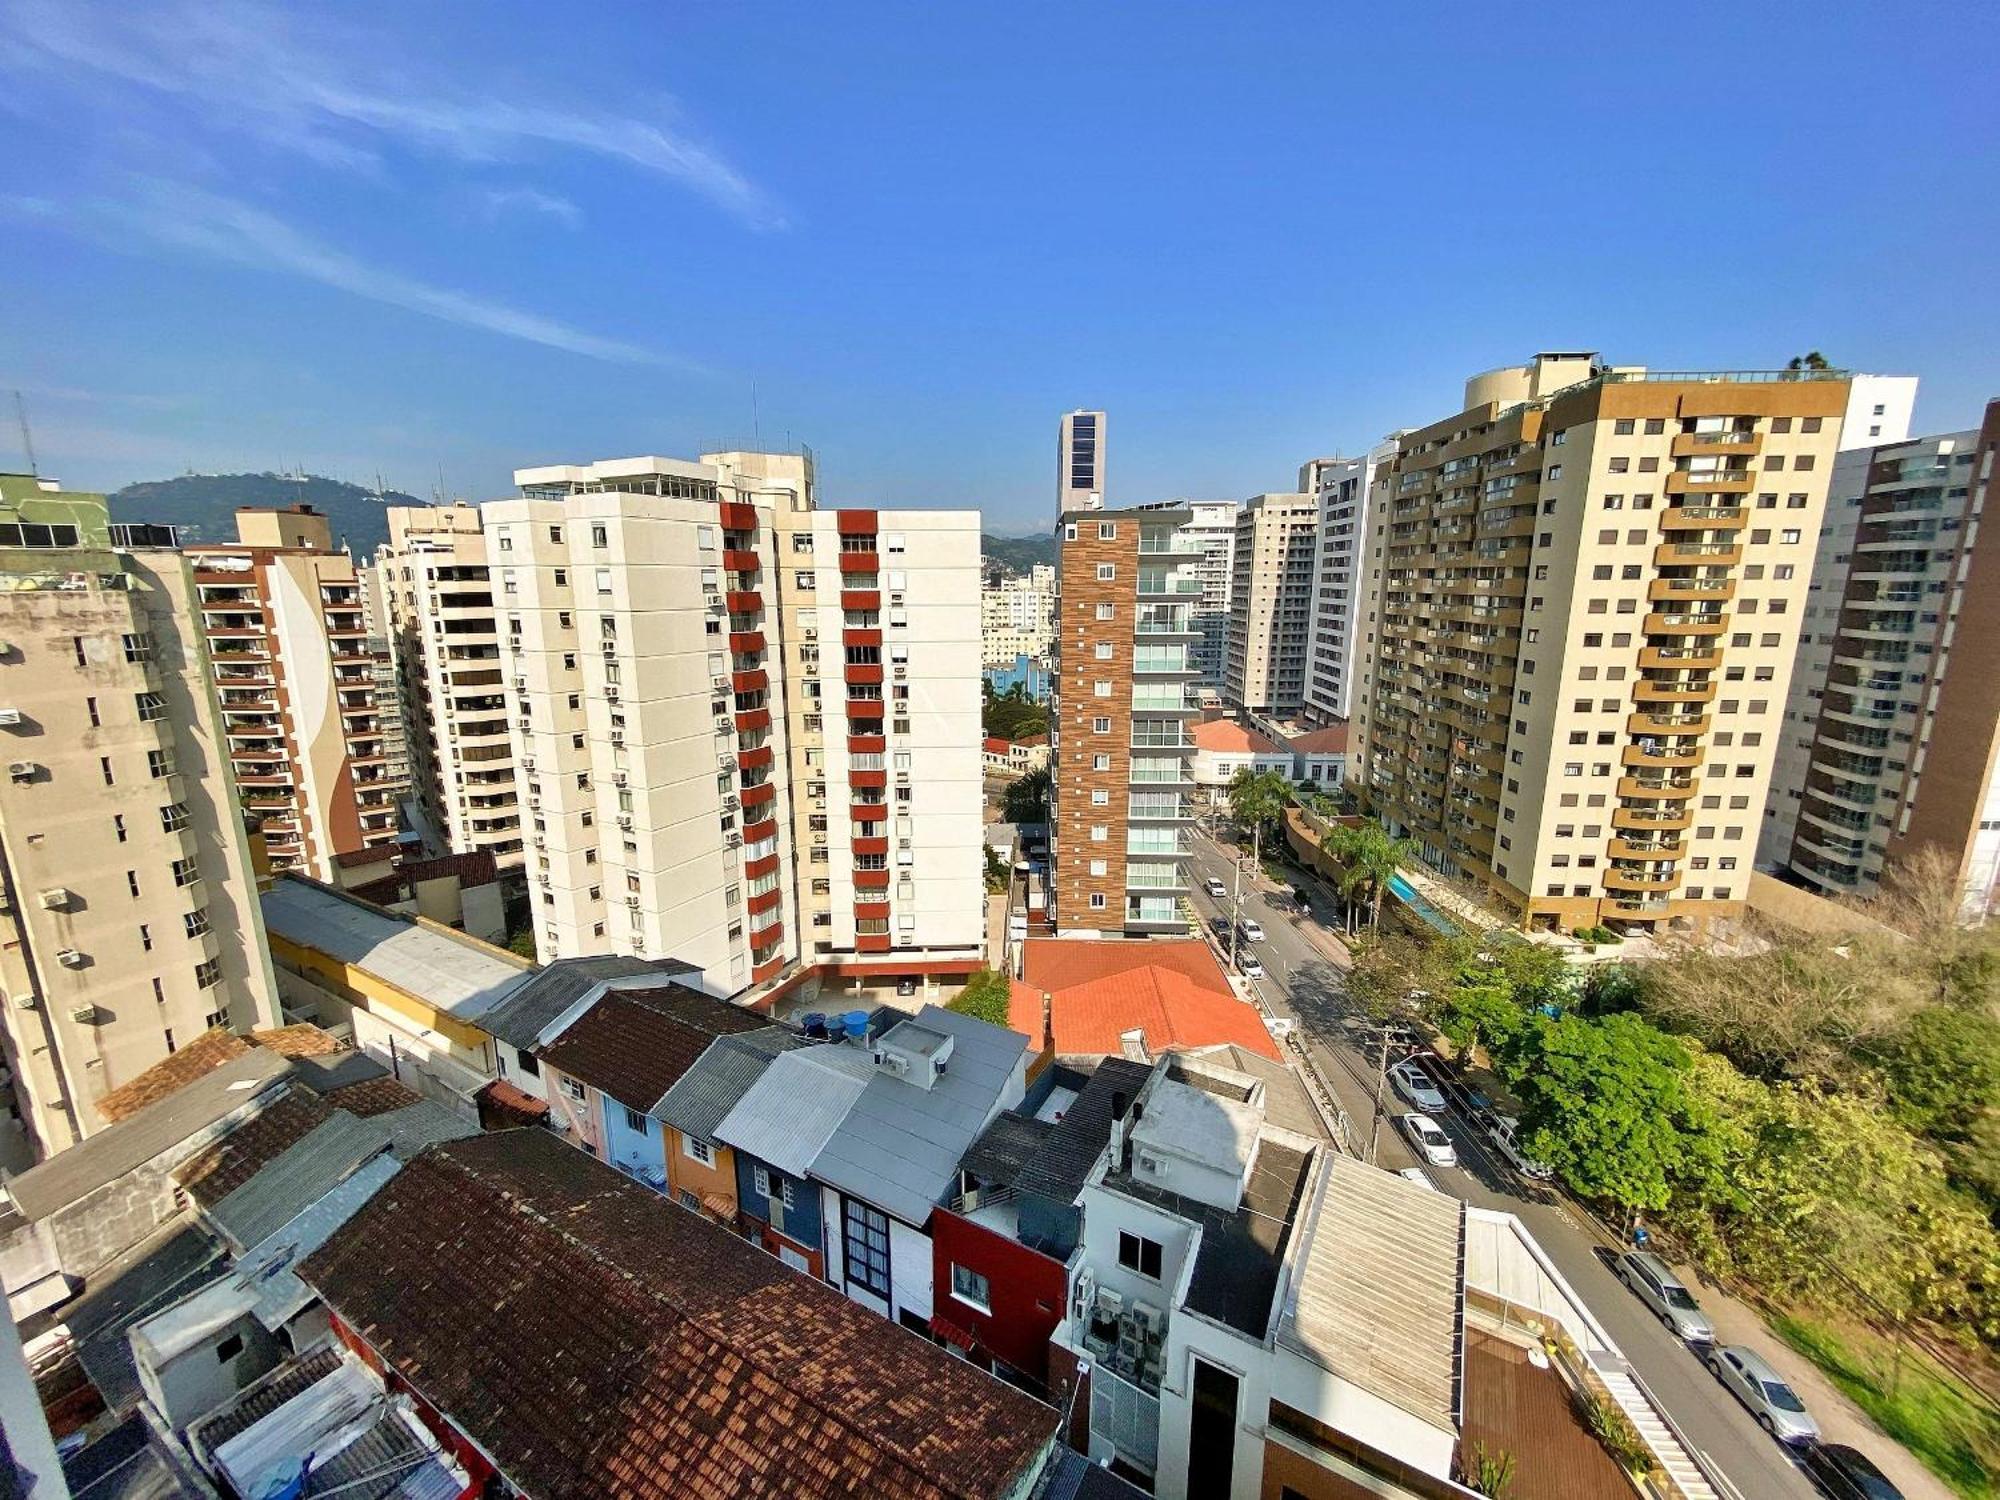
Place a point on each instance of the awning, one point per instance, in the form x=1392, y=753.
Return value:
x=953, y=1333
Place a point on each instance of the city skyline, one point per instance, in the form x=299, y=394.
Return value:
x=396, y=264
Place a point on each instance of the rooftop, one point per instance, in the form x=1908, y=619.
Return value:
x=203, y=1055
x=1066, y=1158
x=1226, y=737
x=597, y=1341
x=448, y=971
x=789, y=1114
x=1199, y=1126
x=1287, y=1105
x=1327, y=741
x=1378, y=1299
x=1173, y=992
x=720, y=1077
x=525, y=1012
x=635, y=1047
x=210, y=1175
x=153, y=1274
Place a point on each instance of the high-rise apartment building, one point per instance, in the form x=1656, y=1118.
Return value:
x=1016, y=616
x=1341, y=486
x=128, y=905
x=1582, y=607
x=747, y=729
x=1080, y=462
x=296, y=672
x=1211, y=528
x=1271, y=602
x=1121, y=801
x=1902, y=737
x=443, y=632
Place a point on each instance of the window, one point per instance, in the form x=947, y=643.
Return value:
x=1107, y=530
x=208, y=974
x=969, y=1287
x=571, y=1089
x=196, y=921
x=1107, y=611
x=1106, y=572
x=1137, y=1253
x=229, y=1348
x=525, y=1061
x=1097, y=901
x=1100, y=726
x=865, y=1234
x=1100, y=762
x=634, y=1120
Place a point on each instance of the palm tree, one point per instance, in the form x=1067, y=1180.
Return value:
x=1258, y=799
x=1369, y=858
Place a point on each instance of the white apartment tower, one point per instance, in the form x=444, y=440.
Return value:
x=1210, y=529
x=1341, y=486
x=129, y=921
x=747, y=729
x=1270, y=602
x=1080, y=462
x=443, y=633
x=1017, y=617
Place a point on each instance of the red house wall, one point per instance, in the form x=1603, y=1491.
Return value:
x=1027, y=1290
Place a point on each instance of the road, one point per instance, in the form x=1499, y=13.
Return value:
x=1304, y=966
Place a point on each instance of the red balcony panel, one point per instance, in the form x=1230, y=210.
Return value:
x=871, y=942
x=860, y=599
x=746, y=642
x=872, y=880
x=863, y=671
x=856, y=522
x=756, y=833
x=766, y=902
x=743, y=601
x=750, y=760
x=860, y=562
x=872, y=846
x=861, y=638
x=736, y=516
x=741, y=560
x=769, y=968
x=868, y=778
x=870, y=812
x=765, y=929
x=750, y=682
x=867, y=744
x=753, y=868
x=753, y=719
x=757, y=796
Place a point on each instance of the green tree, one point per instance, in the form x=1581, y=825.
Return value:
x=1812, y=361
x=1026, y=799
x=997, y=873
x=1942, y=1071
x=1258, y=799
x=984, y=997
x=1369, y=858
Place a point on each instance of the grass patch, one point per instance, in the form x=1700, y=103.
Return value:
x=984, y=998
x=1951, y=1435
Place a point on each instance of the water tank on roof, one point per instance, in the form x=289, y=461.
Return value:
x=815, y=1023
x=855, y=1024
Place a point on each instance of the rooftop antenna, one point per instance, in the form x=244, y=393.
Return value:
x=27, y=437
x=756, y=426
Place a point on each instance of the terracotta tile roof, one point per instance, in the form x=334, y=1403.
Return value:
x=354, y=858
x=202, y=1056
x=1226, y=736
x=1173, y=992
x=635, y=1044
x=995, y=746
x=212, y=1175
x=1321, y=741
x=373, y=1096
x=473, y=867
x=302, y=1040
x=502, y=1106
x=600, y=1343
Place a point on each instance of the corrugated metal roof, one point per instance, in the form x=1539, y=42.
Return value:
x=268, y=1265
x=786, y=1116
x=720, y=1077
x=154, y=1274
x=259, y=1453
x=900, y=1145
x=1059, y=1170
x=456, y=975
x=521, y=1016
x=297, y=1176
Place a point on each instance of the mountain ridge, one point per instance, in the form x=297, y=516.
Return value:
x=205, y=505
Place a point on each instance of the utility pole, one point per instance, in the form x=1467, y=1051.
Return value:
x=1381, y=1086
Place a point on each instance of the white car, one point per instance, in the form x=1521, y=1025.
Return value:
x=1430, y=1141
x=1415, y=1085
x=1505, y=1132
x=1214, y=886
x=1252, y=933
x=1250, y=967
x=1776, y=1406
x=1419, y=1178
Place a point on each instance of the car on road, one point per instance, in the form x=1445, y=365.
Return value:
x=1250, y=931
x=1214, y=886
x=1428, y=1140
x=1656, y=1285
x=1415, y=1085
x=1505, y=1133
x=1748, y=1376
x=1250, y=967
x=1846, y=1473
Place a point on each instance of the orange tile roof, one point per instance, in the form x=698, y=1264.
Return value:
x=202, y=1056
x=1226, y=736
x=1175, y=993
x=1320, y=741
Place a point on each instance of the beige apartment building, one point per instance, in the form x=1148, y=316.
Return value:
x=1121, y=800
x=1017, y=617
x=747, y=729
x=1583, y=602
x=1271, y=602
x=299, y=681
x=444, y=636
x=128, y=904
x=1342, y=487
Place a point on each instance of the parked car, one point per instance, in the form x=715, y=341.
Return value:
x=1214, y=886
x=1415, y=1085
x=1429, y=1141
x=1505, y=1131
x=1660, y=1289
x=1250, y=967
x=1846, y=1473
x=1748, y=1376
x=1251, y=931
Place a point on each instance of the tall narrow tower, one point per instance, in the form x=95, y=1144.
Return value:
x=1080, y=462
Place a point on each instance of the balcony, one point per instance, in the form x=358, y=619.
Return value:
x=1730, y=444
x=1654, y=789
x=1652, y=819
x=1691, y=554
x=1618, y=878
x=1672, y=690
x=1661, y=757
x=1690, y=590
x=1703, y=518
x=1647, y=848
x=1652, y=722
x=1709, y=481
x=1685, y=622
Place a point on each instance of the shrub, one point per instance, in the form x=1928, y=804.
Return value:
x=984, y=997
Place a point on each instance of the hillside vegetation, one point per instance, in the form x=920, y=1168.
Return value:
x=205, y=505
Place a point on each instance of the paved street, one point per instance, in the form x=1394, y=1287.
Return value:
x=1304, y=963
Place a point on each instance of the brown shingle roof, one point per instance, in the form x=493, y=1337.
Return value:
x=373, y=1096
x=212, y=1175
x=301, y=1040
x=635, y=1044
x=202, y=1056
x=600, y=1343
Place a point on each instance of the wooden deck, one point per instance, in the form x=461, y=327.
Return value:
x=1511, y=1405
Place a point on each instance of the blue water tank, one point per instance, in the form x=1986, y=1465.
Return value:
x=815, y=1023
x=856, y=1024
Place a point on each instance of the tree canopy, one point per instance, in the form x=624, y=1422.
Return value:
x=1026, y=799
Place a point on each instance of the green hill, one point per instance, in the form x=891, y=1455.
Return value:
x=1018, y=553
x=205, y=505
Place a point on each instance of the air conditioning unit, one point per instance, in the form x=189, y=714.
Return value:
x=23, y=770
x=729, y=804
x=894, y=1064
x=1148, y=1317
x=1109, y=1303
x=718, y=684
x=55, y=899
x=610, y=646
x=610, y=693
x=632, y=901
x=10, y=715
x=810, y=632
x=1086, y=1292
x=1150, y=1164
x=84, y=1015
x=28, y=1001
x=69, y=958
x=618, y=778
x=617, y=739
x=624, y=820
x=732, y=841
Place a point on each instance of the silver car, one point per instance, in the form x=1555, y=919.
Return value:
x=1761, y=1389
x=1415, y=1085
x=1660, y=1289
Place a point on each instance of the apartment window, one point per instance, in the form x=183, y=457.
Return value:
x=969, y=1287
x=1097, y=901
x=1099, y=833
x=1138, y=1254
x=104, y=765
x=1802, y=461
x=1100, y=798
x=118, y=824
x=865, y=1235
x=1100, y=726
x=1573, y=768
x=1623, y=427
x=145, y=937
x=139, y=647
x=1102, y=651
x=599, y=536
x=1100, y=867
x=1107, y=530
x=196, y=921
x=1101, y=689
x=207, y=975
x=1789, y=535
x=1100, y=763
x=1107, y=611
x=1620, y=465
x=1106, y=572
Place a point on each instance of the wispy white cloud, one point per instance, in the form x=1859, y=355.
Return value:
x=500, y=202
x=211, y=226
x=253, y=68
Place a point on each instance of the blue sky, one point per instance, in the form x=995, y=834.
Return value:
x=446, y=240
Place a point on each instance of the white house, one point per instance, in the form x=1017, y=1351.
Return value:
x=1223, y=747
